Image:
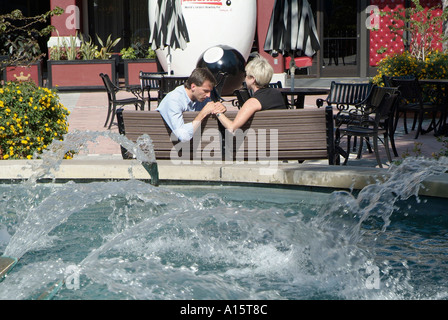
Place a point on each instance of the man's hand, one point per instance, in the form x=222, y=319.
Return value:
x=219, y=108
x=213, y=108
x=209, y=108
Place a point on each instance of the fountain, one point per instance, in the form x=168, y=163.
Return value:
x=128, y=239
x=74, y=141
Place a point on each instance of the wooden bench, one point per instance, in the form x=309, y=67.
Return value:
x=303, y=134
x=294, y=134
x=166, y=145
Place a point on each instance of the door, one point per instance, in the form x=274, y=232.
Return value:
x=125, y=19
x=339, y=31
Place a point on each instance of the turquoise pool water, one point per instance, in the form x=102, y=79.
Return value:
x=131, y=240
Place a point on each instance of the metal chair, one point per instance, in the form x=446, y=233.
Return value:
x=242, y=96
x=412, y=101
x=345, y=95
x=113, y=102
x=277, y=84
x=169, y=83
x=373, y=101
x=366, y=123
x=217, y=90
x=151, y=81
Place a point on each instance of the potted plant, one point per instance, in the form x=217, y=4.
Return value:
x=20, y=54
x=27, y=68
x=138, y=57
x=76, y=62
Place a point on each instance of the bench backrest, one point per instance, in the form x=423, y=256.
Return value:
x=303, y=134
x=133, y=124
x=297, y=134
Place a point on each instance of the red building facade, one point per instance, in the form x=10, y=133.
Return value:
x=353, y=36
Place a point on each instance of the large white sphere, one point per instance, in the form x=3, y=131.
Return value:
x=231, y=23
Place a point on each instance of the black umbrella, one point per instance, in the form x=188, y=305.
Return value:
x=292, y=29
x=169, y=28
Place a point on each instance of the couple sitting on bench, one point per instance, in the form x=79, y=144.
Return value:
x=187, y=113
x=195, y=96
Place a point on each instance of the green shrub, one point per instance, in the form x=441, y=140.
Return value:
x=31, y=118
x=138, y=51
x=397, y=65
x=435, y=66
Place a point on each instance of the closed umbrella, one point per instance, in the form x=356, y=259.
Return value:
x=169, y=28
x=292, y=29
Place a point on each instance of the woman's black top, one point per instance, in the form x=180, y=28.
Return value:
x=270, y=98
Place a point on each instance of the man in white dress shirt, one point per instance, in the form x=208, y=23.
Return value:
x=194, y=95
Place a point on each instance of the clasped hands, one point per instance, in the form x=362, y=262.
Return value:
x=215, y=108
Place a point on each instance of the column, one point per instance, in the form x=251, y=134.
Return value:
x=67, y=24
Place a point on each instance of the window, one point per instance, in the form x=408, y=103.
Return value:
x=125, y=19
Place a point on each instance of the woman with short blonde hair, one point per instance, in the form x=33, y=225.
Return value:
x=260, y=69
x=258, y=76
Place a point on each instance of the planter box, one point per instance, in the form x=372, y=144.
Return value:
x=132, y=69
x=79, y=74
x=24, y=73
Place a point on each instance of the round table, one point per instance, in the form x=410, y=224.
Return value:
x=298, y=95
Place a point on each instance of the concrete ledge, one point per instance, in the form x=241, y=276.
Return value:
x=309, y=175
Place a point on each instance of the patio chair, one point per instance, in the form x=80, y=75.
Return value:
x=412, y=101
x=277, y=84
x=217, y=90
x=169, y=83
x=388, y=80
x=151, y=81
x=366, y=123
x=345, y=95
x=113, y=102
x=373, y=101
x=242, y=96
